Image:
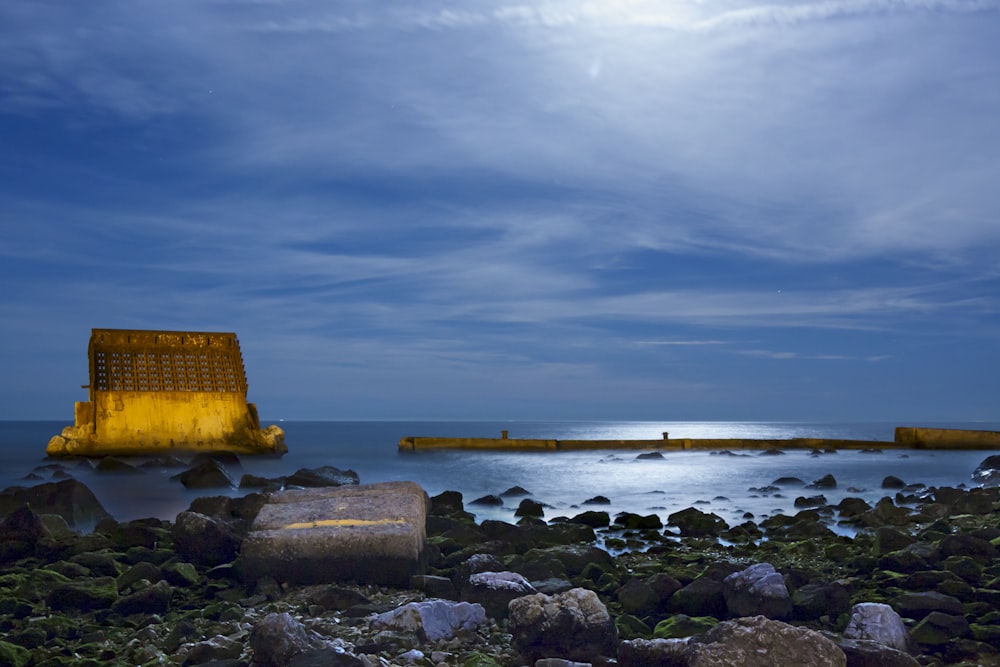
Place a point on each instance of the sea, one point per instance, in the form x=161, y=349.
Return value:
x=731, y=486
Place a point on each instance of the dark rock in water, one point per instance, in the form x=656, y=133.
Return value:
x=321, y=477
x=163, y=462
x=229, y=459
x=788, y=481
x=489, y=501
x=692, y=522
x=248, y=481
x=632, y=521
x=204, y=540
x=597, y=500
x=892, y=482
x=208, y=474
x=70, y=499
x=110, y=465
x=530, y=508
x=824, y=482
x=850, y=507
x=810, y=501
x=593, y=519
x=987, y=473
x=649, y=455
x=772, y=452
x=447, y=502
x=515, y=491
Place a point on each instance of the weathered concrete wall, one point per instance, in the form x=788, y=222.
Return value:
x=946, y=438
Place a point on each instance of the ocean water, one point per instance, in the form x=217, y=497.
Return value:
x=562, y=480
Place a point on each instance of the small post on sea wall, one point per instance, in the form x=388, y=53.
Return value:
x=666, y=436
x=503, y=435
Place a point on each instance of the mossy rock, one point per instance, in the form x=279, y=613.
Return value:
x=682, y=625
x=631, y=627
x=480, y=660
x=989, y=634
x=86, y=595
x=181, y=574
x=13, y=655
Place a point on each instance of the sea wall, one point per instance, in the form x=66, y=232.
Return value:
x=946, y=438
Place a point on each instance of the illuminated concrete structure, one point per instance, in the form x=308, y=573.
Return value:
x=165, y=390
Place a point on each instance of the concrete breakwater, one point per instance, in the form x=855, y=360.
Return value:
x=906, y=437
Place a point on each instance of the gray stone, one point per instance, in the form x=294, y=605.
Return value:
x=877, y=622
x=867, y=653
x=495, y=590
x=371, y=533
x=433, y=620
x=760, y=642
x=278, y=638
x=757, y=590
x=574, y=625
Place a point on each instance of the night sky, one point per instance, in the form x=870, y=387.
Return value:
x=711, y=210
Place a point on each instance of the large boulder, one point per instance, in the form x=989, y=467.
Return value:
x=370, y=533
x=866, y=653
x=206, y=474
x=749, y=642
x=574, y=625
x=757, y=590
x=495, y=590
x=692, y=522
x=70, y=499
x=204, y=539
x=877, y=622
x=278, y=638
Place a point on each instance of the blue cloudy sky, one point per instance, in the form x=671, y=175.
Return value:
x=684, y=209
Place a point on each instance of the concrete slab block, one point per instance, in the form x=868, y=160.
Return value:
x=369, y=533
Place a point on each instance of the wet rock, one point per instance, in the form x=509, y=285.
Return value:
x=962, y=544
x=893, y=482
x=153, y=599
x=692, y=522
x=757, y=591
x=70, y=499
x=574, y=625
x=204, y=540
x=649, y=456
x=446, y=502
x=867, y=653
x=788, y=481
x=278, y=638
x=495, y=590
x=918, y=605
x=682, y=625
x=488, y=501
x=530, y=508
x=433, y=620
x=109, y=465
x=515, y=491
x=19, y=533
x=321, y=477
x=987, y=473
x=885, y=513
x=940, y=628
x=813, y=600
x=852, y=507
x=593, y=519
x=653, y=653
x=638, y=597
x=810, y=501
x=83, y=595
x=877, y=622
x=207, y=474
x=888, y=539
x=632, y=521
x=702, y=597
x=825, y=482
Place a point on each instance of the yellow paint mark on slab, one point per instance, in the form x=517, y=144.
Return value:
x=329, y=523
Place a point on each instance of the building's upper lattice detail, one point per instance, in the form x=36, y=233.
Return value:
x=123, y=360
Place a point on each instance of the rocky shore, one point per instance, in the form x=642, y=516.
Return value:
x=917, y=584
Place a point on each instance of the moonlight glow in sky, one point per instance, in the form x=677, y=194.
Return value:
x=687, y=209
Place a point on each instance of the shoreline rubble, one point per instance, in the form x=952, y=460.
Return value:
x=918, y=584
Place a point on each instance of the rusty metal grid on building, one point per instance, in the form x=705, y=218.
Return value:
x=166, y=361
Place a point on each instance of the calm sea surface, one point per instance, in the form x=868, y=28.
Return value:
x=563, y=480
